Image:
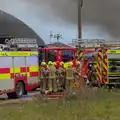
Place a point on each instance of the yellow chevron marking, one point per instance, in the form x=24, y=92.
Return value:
x=106, y=60
x=105, y=66
x=100, y=53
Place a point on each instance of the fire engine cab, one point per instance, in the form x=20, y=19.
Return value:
x=18, y=68
x=57, y=54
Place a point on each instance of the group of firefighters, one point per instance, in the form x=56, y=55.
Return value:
x=53, y=78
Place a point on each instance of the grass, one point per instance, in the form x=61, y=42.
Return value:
x=91, y=105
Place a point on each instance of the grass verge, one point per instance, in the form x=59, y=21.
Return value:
x=90, y=105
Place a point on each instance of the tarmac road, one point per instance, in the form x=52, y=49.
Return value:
x=29, y=96
x=4, y=101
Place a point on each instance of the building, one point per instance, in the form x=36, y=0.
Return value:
x=57, y=44
x=12, y=27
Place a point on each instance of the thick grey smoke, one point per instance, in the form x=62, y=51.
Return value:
x=54, y=10
x=97, y=15
x=103, y=13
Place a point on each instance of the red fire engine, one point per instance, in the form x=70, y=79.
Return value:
x=18, y=69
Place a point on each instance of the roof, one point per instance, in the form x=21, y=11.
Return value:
x=58, y=44
x=11, y=26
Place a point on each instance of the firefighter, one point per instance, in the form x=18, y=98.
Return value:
x=78, y=70
x=61, y=77
x=54, y=64
x=69, y=73
x=43, y=77
x=41, y=71
x=52, y=77
x=77, y=74
x=46, y=73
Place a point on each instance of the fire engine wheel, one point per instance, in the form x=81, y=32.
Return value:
x=11, y=95
x=20, y=90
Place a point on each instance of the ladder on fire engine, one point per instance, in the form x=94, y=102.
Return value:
x=95, y=43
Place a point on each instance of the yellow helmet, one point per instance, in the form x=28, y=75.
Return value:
x=65, y=65
x=50, y=63
x=70, y=64
x=54, y=63
x=61, y=63
x=43, y=63
x=78, y=63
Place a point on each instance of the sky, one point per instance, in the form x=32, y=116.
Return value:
x=100, y=18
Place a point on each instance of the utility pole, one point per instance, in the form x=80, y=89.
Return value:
x=51, y=36
x=80, y=3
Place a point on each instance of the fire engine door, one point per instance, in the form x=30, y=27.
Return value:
x=6, y=69
x=19, y=65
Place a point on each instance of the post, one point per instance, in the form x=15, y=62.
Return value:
x=80, y=3
x=51, y=36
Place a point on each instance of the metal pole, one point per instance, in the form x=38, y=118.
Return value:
x=80, y=2
x=51, y=36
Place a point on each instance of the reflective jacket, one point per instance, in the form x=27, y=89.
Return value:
x=69, y=73
x=52, y=72
x=42, y=69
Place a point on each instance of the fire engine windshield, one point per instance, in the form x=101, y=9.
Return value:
x=52, y=55
x=41, y=56
x=67, y=55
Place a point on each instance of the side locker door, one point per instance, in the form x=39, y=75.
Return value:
x=32, y=65
x=19, y=66
x=6, y=78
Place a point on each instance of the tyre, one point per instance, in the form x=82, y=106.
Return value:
x=20, y=90
x=11, y=95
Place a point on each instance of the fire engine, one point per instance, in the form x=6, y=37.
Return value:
x=105, y=56
x=18, y=68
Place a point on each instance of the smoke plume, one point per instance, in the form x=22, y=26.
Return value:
x=100, y=17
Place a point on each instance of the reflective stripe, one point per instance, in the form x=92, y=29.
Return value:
x=23, y=69
x=5, y=76
x=11, y=70
x=113, y=51
x=99, y=63
x=34, y=69
x=18, y=53
x=34, y=53
x=4, y=70
x=2, y=53
x=28, y=74
x=33, y=74
x=100, y=55
x=105, y=67
x=8, y=73
x=16, y=70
